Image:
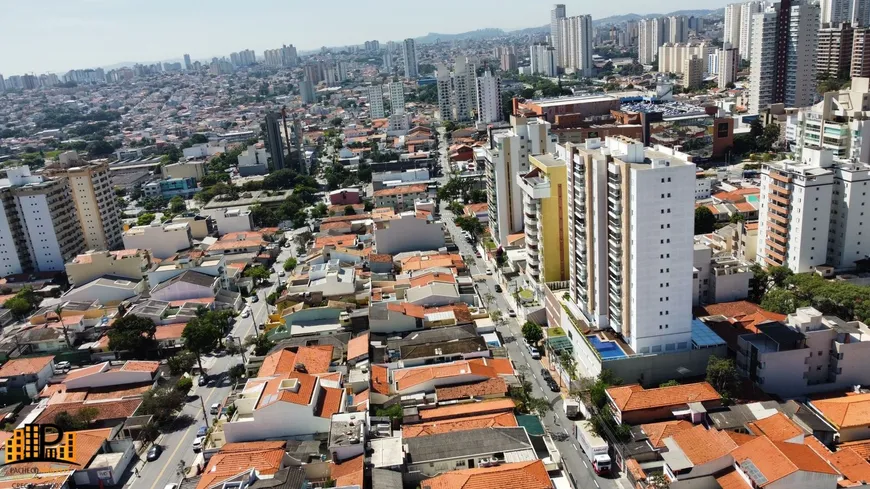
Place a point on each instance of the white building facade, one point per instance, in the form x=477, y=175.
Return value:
x=489, y=107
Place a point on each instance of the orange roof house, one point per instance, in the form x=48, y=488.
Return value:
x=848, y=414
x=427, y=378
x=657, y=432
x=454, y=411
x=306, y=359
x=778, y=428
x=233, y=459
x=765, y=462
x=493, y=420
x=527, y=475
x=358, y=348
x=494, y=387
x=350, y=472
x=25, y=367
x=632, y=404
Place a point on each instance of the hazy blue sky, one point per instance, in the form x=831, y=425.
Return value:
x=62, y=34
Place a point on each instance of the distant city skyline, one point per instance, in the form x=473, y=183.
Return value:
x=96, y=33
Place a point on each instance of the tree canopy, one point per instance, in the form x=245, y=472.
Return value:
x=132, y=333
x=532, y=332
x=705, y=221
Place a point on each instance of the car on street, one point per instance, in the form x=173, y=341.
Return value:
x=215, y=408
x=201, y=431
x=512, y=313
x=489, y=271
x=546, y=375
x=246, y=313
x=62, y=366
x=171, y=485
x=281, y=273
x=554, y=387
x=153, y=453
x=203, y=380
x=534, y=353
x=497, y=288
x=197, y=443
x=255, y=299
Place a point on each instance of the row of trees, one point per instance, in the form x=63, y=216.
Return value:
x=783, y=292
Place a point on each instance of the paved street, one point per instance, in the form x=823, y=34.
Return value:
x=177, y=445
x=573, y=460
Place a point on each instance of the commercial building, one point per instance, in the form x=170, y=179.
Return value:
x=693, y=72
x=834, y=52
x=162, y=241
x=131, y=264
x=543, y=59
x=253, y=161
x=729, y=61
x=672, y=57
x=650, y=35
x=489, y=98
x=545, y=198
x=630, y=228
x=274, y=141
x=565, y=111
x=169, y=188
x=409, y=54
x=556, y=16
x=186, y=169
x=375, y=94
x=783, y=67
x=810, y=213
x=575, y=45
x=402, y=197
x=39, y=226
x=95, y=206
x=507, y=155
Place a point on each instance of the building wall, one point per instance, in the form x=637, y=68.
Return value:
x=39, y=214
x=193, y=169
x=161, y=242
x=408, y=234
x=554, y=226
x=100, y=264
x=95, y=206
x=12, y=242
x=279, y=420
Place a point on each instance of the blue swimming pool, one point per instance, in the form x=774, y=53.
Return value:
x=607, y=349
x=752, y=198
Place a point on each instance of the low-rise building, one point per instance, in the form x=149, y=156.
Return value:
x=632, y=404
x=718, y=277
x=408, y=233
x=169, y=188
x=186, y=169
x=162, y=241
x=528, y=475
x=131, y=264
x=30, y=374
x=402, y=197
x=232, y=220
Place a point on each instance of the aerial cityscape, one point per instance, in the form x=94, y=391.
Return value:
x=589, y=249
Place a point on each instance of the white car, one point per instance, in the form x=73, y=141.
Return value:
x=246, y=313
x=535, y=353
x=62, y=366
x=197, y=443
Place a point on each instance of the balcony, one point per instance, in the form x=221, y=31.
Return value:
x=534, y=186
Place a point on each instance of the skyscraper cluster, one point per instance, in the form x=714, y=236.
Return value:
x=653, y=33
x=285, y=56
x=457, y=90
x=243, y=58
x=571, y=39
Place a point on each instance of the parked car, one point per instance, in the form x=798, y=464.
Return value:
x=153, y=453
x=546, y=375
x=203, y=380
x=281, y=273
x=197, y=443
x=215, y=408
x=62, y=366
x=201, y=431
x=255, y=299
x=512, y=313
x=489, y=271
x=554, y=387
x=246, y=313
x=535, y=353
x=497, y=288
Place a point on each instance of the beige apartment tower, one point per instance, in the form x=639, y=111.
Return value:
x=95, y=202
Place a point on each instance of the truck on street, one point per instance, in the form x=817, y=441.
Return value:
x=595, y=448
x=572, y=408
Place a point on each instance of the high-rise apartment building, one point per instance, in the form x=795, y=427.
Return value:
x=397, y=98
x=650, y=35
x=387, y=67
x=834, y=51
x=809, y=213
x=783, y=65
x=39, y=228
x=306, y=91
x=678, y=29
x=835, y=11
x=860, y=66
x=543, y=60
x=672, y=57
x=95, y=206
x=376, y=101
x=444, y=85
x=556, y=16
x=693, y=72
x=839, y=123
x=731, y=32
x=545, y=199
x=575, y=44
x=462, y=99
x=409, y=53
x=630, y=233
x=729, y=61
x=274, y=141
x=507, y=59
x=489, y=107
x=747, y=12
x=187, y=64
x=507, y=155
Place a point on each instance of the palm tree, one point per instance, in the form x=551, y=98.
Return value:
x=59, y=311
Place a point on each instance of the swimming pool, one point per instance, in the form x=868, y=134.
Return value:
x=607, y=349
x=752, y=199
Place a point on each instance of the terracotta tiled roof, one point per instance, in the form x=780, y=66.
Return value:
x=139, y=366
x=732, y=479
x=740, y=438
x=380, y=380
x=88, y=444
x=380, y=258
x=473, y=209
x=777, y=427
x=495, y=420
x=701, y=445
x=657, y=432
x=342, y=240
x=330, y=402
x=847, y=411
x=408, y=309
x=428, y=278
x=401, y=190
x=636, y=470
x=272, y=392
x=635, y=397
x=316, y=360
x=82, y=372
x=170, y=331
x=106, y=394
x=487, y=387
x=358, y=347
x=751, y=226
x=235, y=458
x=468, y=409
x=409, y=377
x=415, y=263
x=776, y=460
x=745, y=312
x=25, y=366
x=861, y=447
x=349, y=472
x=105, y=410
x=502, y=366
x=527, y=475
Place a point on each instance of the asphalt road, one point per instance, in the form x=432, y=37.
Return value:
x=574, y=461
x=178, y=444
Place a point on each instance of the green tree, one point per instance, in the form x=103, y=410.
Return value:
x=184, y=384
x=263, y=216
x=705, y=221
x=778, y=276
x=100, y=148
x=736, y=218
x=758, y=283
x=538, y=406
x=319, y=211
x=261, y=343
x=469, y=223
x=393, y=412
x=289, y=264
x=236, y=373
x=181, y=362
x=782, y=301
x=132, y=333
x=201, y=337
x=670, y=383
x=349, y=211
x=722, y=375
x=569, y=364
x=19, y=306
x=258, y=273
x=532, y=332
x=145, y=219
x=162, y=403
x=58, y=312
x=177, y=205
x=198, y=139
